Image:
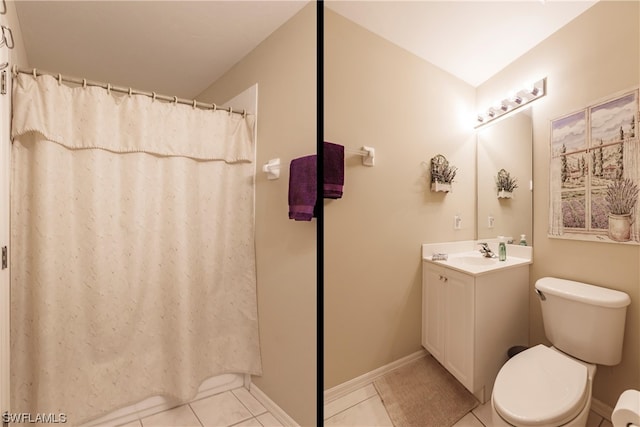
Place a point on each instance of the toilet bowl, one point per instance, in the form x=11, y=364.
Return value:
x=551, y=386
x=542, y=387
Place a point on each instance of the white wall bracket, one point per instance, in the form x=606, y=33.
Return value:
x=272, y=169
x=368, y=156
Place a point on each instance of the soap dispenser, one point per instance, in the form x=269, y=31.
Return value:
x=523, y=240
x=502, y=250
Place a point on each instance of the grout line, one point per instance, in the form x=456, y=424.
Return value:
x=246, y=407
x=251, y=418
x=476, y=417
x=242, y=421
x=208, y=396
x=196, y=415
x=356, y=404
x=235, y=397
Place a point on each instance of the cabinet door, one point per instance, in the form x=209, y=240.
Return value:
x=433, y=300
x=459, y=326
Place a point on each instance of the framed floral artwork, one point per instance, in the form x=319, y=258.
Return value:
x=595, y=172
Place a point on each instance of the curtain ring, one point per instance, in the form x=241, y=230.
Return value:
x=153, y=96
x=175, y=100
x=14, y=70
x=109, y=88
x=5, y=41
x=215, y=107
x=35, y=73
x=129, y=91
x=230, y=110
x=194, y=104
x=59, y=78
x=244, y=113
x=84, y=83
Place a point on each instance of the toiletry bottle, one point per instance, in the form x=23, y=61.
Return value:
x=502, y=250
x=523, y=240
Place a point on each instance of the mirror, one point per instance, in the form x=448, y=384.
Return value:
x=507, y=144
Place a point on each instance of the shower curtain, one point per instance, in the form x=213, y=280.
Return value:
x=133, y=261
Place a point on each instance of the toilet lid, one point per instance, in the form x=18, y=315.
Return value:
x=540, y=386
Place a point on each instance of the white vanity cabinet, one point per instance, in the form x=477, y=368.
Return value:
x=470, y=321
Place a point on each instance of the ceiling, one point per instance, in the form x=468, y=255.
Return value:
x=181, y=47
x=471, y=39
x=170, y=47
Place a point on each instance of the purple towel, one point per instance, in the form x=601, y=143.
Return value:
x=333, y=168
x=303, y=190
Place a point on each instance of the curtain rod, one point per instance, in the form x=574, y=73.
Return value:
x=84, y=83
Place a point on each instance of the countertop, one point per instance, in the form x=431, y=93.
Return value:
x=466, y=258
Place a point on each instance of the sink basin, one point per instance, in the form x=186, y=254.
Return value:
x=466, y=258
x=475, y=263
x=475, y=260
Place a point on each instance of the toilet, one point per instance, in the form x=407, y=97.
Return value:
x=551, y=386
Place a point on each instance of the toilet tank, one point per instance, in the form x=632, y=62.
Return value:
x=584, y=321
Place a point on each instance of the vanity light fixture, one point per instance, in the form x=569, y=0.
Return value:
x=510, y=104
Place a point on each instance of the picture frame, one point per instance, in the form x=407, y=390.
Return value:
x=595, y=172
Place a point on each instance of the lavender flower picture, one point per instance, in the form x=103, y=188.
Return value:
x=595, y=159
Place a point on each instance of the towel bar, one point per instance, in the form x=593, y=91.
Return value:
x=272, y=169
x=368, y=155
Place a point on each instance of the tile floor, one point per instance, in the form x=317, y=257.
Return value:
x=236, y=408
x=364, y=408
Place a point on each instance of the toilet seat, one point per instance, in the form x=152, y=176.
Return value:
x=540, y=386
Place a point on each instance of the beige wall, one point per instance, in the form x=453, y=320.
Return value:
x=593, y=57
x=10, y=19
x=379, y=95
x=284, y=66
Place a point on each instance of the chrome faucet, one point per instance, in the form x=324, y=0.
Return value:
x=484, y=250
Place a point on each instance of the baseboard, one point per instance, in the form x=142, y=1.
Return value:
x=272, y=407
x=361, y=381
x=601, y=409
